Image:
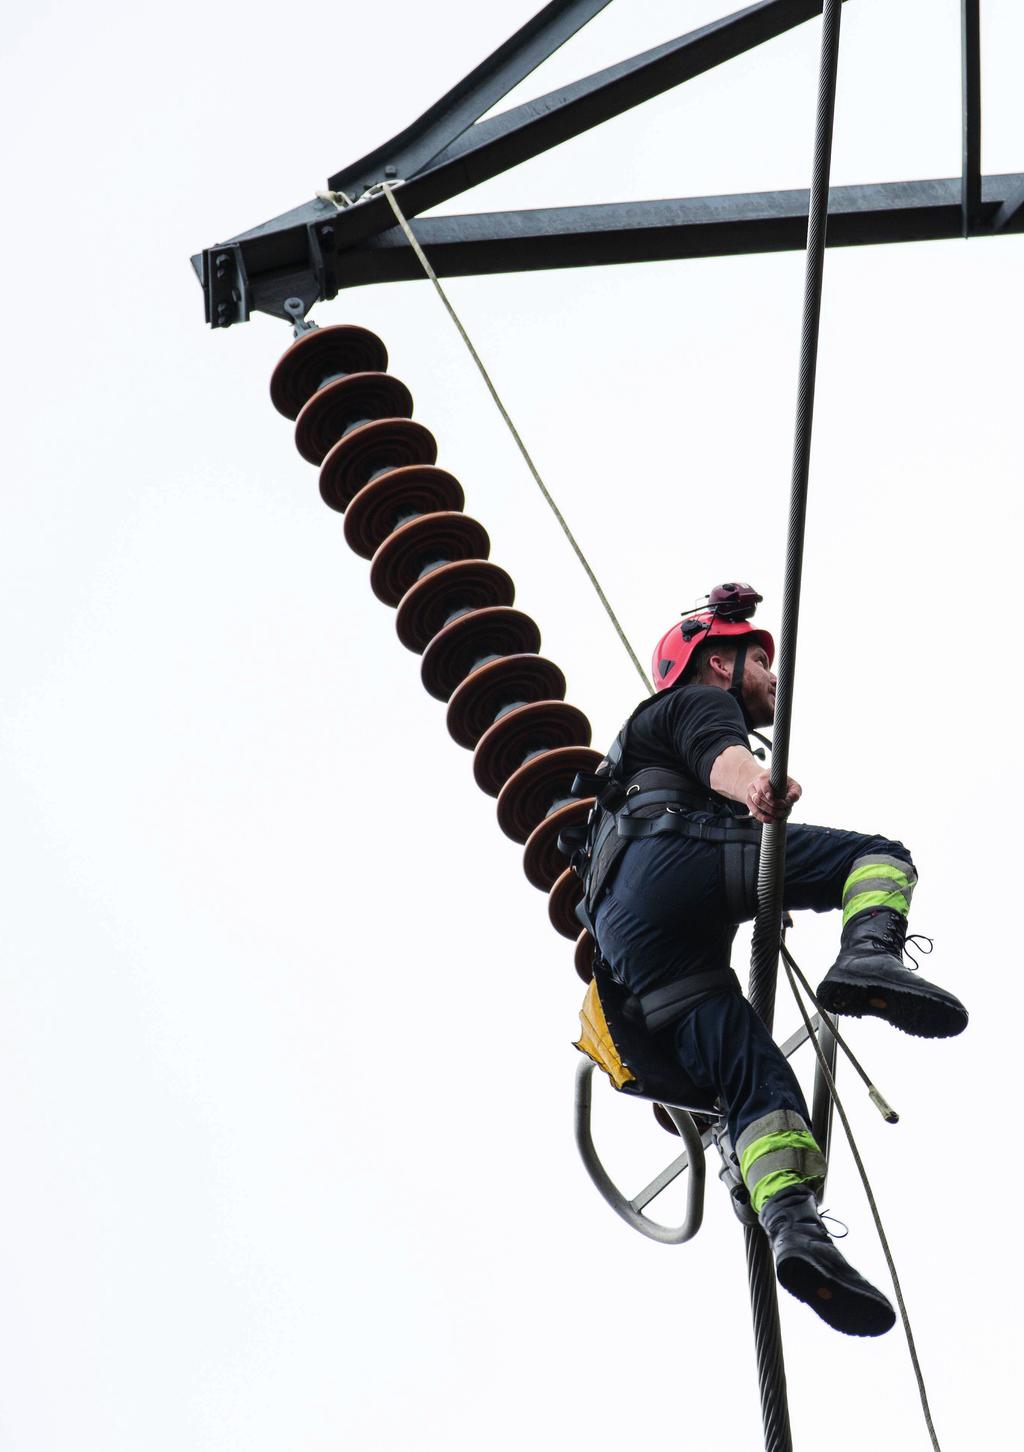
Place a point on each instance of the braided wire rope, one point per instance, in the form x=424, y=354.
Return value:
x=767, y=925
x=771, y=1366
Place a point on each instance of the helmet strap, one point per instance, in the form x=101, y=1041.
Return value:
x=736, y=685
x=738, y=667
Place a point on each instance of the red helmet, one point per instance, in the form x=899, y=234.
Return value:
x=725, y=618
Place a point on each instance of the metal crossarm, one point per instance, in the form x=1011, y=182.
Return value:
x=321, y=247
x=730, y=225
x=1010, y=214
x=298, y=254
x=280, y=265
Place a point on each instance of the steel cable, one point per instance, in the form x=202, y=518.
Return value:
x=771, y=1367
x=771, y=873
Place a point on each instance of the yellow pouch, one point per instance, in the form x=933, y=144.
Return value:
x=596, y=1041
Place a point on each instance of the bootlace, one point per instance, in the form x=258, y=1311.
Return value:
x=893, y=936
x=824, y=1215
x=919, y=941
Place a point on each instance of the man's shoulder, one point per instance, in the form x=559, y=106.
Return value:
x=701, y=701
x=675, y=714
x=697, y=694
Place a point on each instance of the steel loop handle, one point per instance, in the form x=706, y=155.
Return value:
x=693, y=1160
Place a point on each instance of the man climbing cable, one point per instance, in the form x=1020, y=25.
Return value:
x=670, y=869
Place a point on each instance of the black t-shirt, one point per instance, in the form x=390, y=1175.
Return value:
x=687, y=729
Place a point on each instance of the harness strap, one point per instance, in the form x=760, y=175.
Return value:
x=664, y=1005
x=653, y=801
x=739, y=876
x=605, y=852
x=738, y=837
x=674, y=820
x=662, y=778
x=656, y=796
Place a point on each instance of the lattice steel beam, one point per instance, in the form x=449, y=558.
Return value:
x=305, y=243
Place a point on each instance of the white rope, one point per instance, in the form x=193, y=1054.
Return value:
x=428, y=269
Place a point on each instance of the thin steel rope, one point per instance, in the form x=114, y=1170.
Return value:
x=428, y=269
x=790, y=966
x=767, y=925
x=878, y=1099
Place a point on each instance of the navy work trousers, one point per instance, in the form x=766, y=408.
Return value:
x=665, y=916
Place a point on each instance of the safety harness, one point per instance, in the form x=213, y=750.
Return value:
x=652, y=802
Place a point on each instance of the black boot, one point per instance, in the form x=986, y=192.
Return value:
x=868, y=977
x=810, y=1267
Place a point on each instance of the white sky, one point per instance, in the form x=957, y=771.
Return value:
x=285, y=1063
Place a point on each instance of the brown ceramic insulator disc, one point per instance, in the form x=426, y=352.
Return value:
x=421, y=546
x=583, y=958
x=562, y=901
x=467, y=643
x=524, y=733
x=513, y=679
x=341, y=405
x=529, y=794
x=430, y=604
x=701, y=1106
x=389, y=443
x=542, y=861
x=391, y=499
x=315, y=357
x=661, y=1114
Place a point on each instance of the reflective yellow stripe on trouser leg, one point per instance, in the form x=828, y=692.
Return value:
x=776, y=1152
x=878, y=882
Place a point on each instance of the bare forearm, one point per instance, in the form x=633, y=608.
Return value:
x=733, y=772
x=738, y=775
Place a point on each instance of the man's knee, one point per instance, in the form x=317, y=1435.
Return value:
x=883, y=847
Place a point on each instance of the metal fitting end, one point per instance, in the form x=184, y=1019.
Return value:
x=884, y=1108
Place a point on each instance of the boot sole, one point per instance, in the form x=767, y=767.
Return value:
x=921, y=1014
x=845, y=1308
